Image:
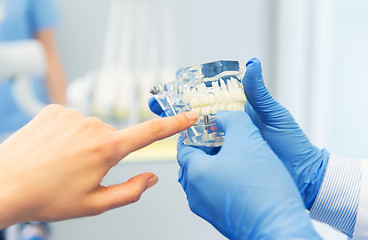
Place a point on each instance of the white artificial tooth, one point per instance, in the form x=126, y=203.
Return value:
x=206, y=110
x=215, y=87
x=203, y=95
x=187, y=96
x=223, y=85
x=222, y=106
x=229, y=107
x=217, y=92
x=235, y=83
x=234, y=106
x=232, y=92
x=214, y=109
x=202, y=88
x=239, y=96
x=218, y=97
x=224, y=91
x=244, y=98
x=198, y=110
x=203, y=99
x=211, y=99
x=194, y=102
x=241, y=107
x=226, y=96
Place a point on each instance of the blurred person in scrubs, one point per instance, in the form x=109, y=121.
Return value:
x=25, y=20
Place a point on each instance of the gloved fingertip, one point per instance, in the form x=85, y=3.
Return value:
x=155, y=107
x=252, y=62
x=254, y=67
x=151, y=101
x=253, y=83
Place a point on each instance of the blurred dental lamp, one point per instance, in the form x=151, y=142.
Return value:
x=19, y=62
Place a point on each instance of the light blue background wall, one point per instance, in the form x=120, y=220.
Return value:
x=349, y=126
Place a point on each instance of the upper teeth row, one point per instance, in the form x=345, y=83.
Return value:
x=207, y=101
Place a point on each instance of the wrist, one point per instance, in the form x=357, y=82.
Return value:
x=13, y=205
x=318, y=167
x=8, y=208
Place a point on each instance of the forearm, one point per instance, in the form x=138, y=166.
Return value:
x=55, y=81
x=55, y=76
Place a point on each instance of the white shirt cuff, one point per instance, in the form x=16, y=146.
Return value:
x=337, y=200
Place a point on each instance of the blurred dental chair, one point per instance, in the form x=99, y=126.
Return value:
x=138, y=51
x=19, y=61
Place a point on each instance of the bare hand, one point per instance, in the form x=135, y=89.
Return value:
x=52, y=168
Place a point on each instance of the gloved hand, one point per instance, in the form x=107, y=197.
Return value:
x=244, y=190
x=305, y=162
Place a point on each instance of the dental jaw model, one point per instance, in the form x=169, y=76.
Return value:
x=207, y=89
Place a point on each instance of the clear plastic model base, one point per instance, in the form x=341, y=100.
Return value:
x=207, y=88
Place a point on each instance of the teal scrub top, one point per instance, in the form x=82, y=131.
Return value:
x=21, y=20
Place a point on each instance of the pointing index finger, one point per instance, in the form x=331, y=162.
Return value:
x=143, y=134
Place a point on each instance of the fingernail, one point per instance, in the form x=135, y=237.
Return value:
x=152, y=181
x=192, y=115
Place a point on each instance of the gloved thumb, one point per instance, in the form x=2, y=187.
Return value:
x=258, y=95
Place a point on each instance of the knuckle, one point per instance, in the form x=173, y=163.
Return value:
x=97, y=209
x=96, y=206
x=72, y=113
x=135, y=198
x=156, y=127
x=136, y=192
x=103, y=142
x=93, y=121
x=53, y=108
x=93, y=124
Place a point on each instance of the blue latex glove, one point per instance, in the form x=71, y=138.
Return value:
x=305, y=162
x=244, y=190
x=155, y=107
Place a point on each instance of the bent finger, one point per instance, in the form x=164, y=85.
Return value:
x=122, y=194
